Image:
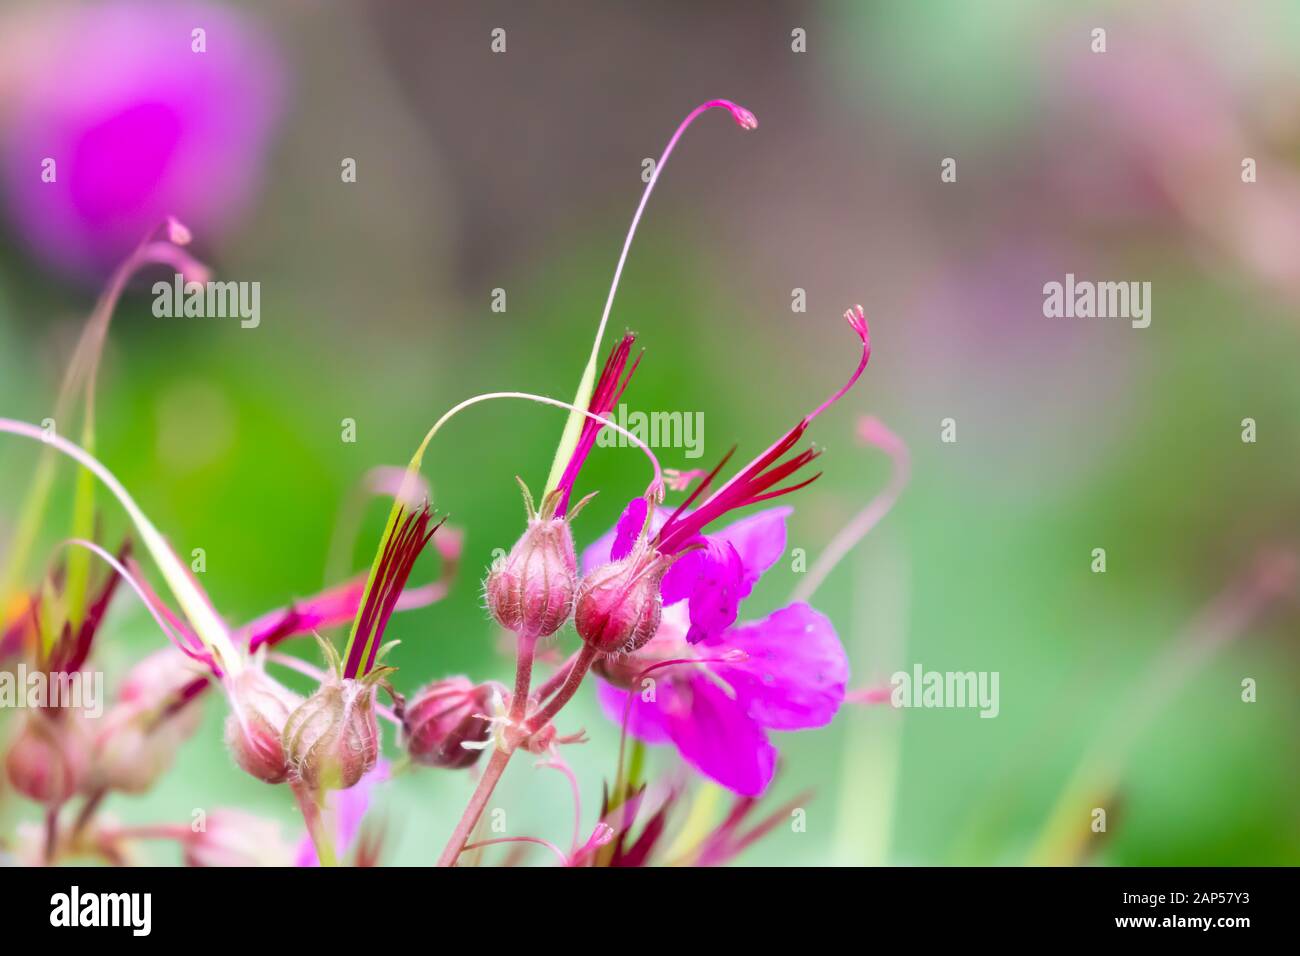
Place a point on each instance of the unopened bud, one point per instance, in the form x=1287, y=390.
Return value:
x=47, y=762
x=618, y=606
x=332, y=738
x=443, y=716
x=259, y=709
x=531, y=589
x=132, y=748
x=158, y=678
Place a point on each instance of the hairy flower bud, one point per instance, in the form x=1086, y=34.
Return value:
x=47, y=761
x=443, y=716
x=332, y=738
x=531, y=589
x=259, y=709
x=618, y=606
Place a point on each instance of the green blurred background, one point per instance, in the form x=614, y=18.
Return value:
x=520, y=170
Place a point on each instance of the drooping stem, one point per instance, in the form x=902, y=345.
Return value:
x=311, y=804
x=537, y=841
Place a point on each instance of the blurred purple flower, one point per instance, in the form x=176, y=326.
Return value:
x=138, y=122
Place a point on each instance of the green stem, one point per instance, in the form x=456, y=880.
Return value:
x=311, y=803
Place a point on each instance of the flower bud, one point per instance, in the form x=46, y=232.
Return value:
x=48, y=760
x=443, y=716
x=158, y=678
x=531, y=589
x=332, y=738
x=618, y=606
x=132, y=748
x=259, y=709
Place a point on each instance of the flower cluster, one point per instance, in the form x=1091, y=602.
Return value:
x=655, y=603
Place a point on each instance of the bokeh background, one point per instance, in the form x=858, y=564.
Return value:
x=520, y=170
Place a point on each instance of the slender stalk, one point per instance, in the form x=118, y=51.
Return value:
x=538, y=841
x=523, y=677
x=162, y=831
x=554, y=682
x=574, y=674
x=500, y=758
x=474, y=809
x=88, y=810
x=310, y=804
x=51, y=834
x=572, y=680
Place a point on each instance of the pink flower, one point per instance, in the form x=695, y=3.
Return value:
x=139, y=121
x=784, y=672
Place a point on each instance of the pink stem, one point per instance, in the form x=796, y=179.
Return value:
x=555, y=680
x=500, y=758
x=559, y=764
x=572, y=681
x=477, y=801
x=522, y=839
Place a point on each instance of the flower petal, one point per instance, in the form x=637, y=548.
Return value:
x=759, y=539
x=796, y=670
x=618, y=540
x=712, y=580
x=716, y=737
x=646, y=721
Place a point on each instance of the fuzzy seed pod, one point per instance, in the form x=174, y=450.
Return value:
x=618, y=606
x=332, y=738
x=531, y=589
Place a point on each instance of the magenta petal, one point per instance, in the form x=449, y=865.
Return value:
x=716, y=584
x=327, y=609
x=646, y=722
x=716, y=737
x=618, y=540
x=759, y=540
x=628, y=528
x=796, y=672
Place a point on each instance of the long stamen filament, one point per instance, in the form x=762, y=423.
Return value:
x=204, y=619
x=135, y=586
x=569, y=438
